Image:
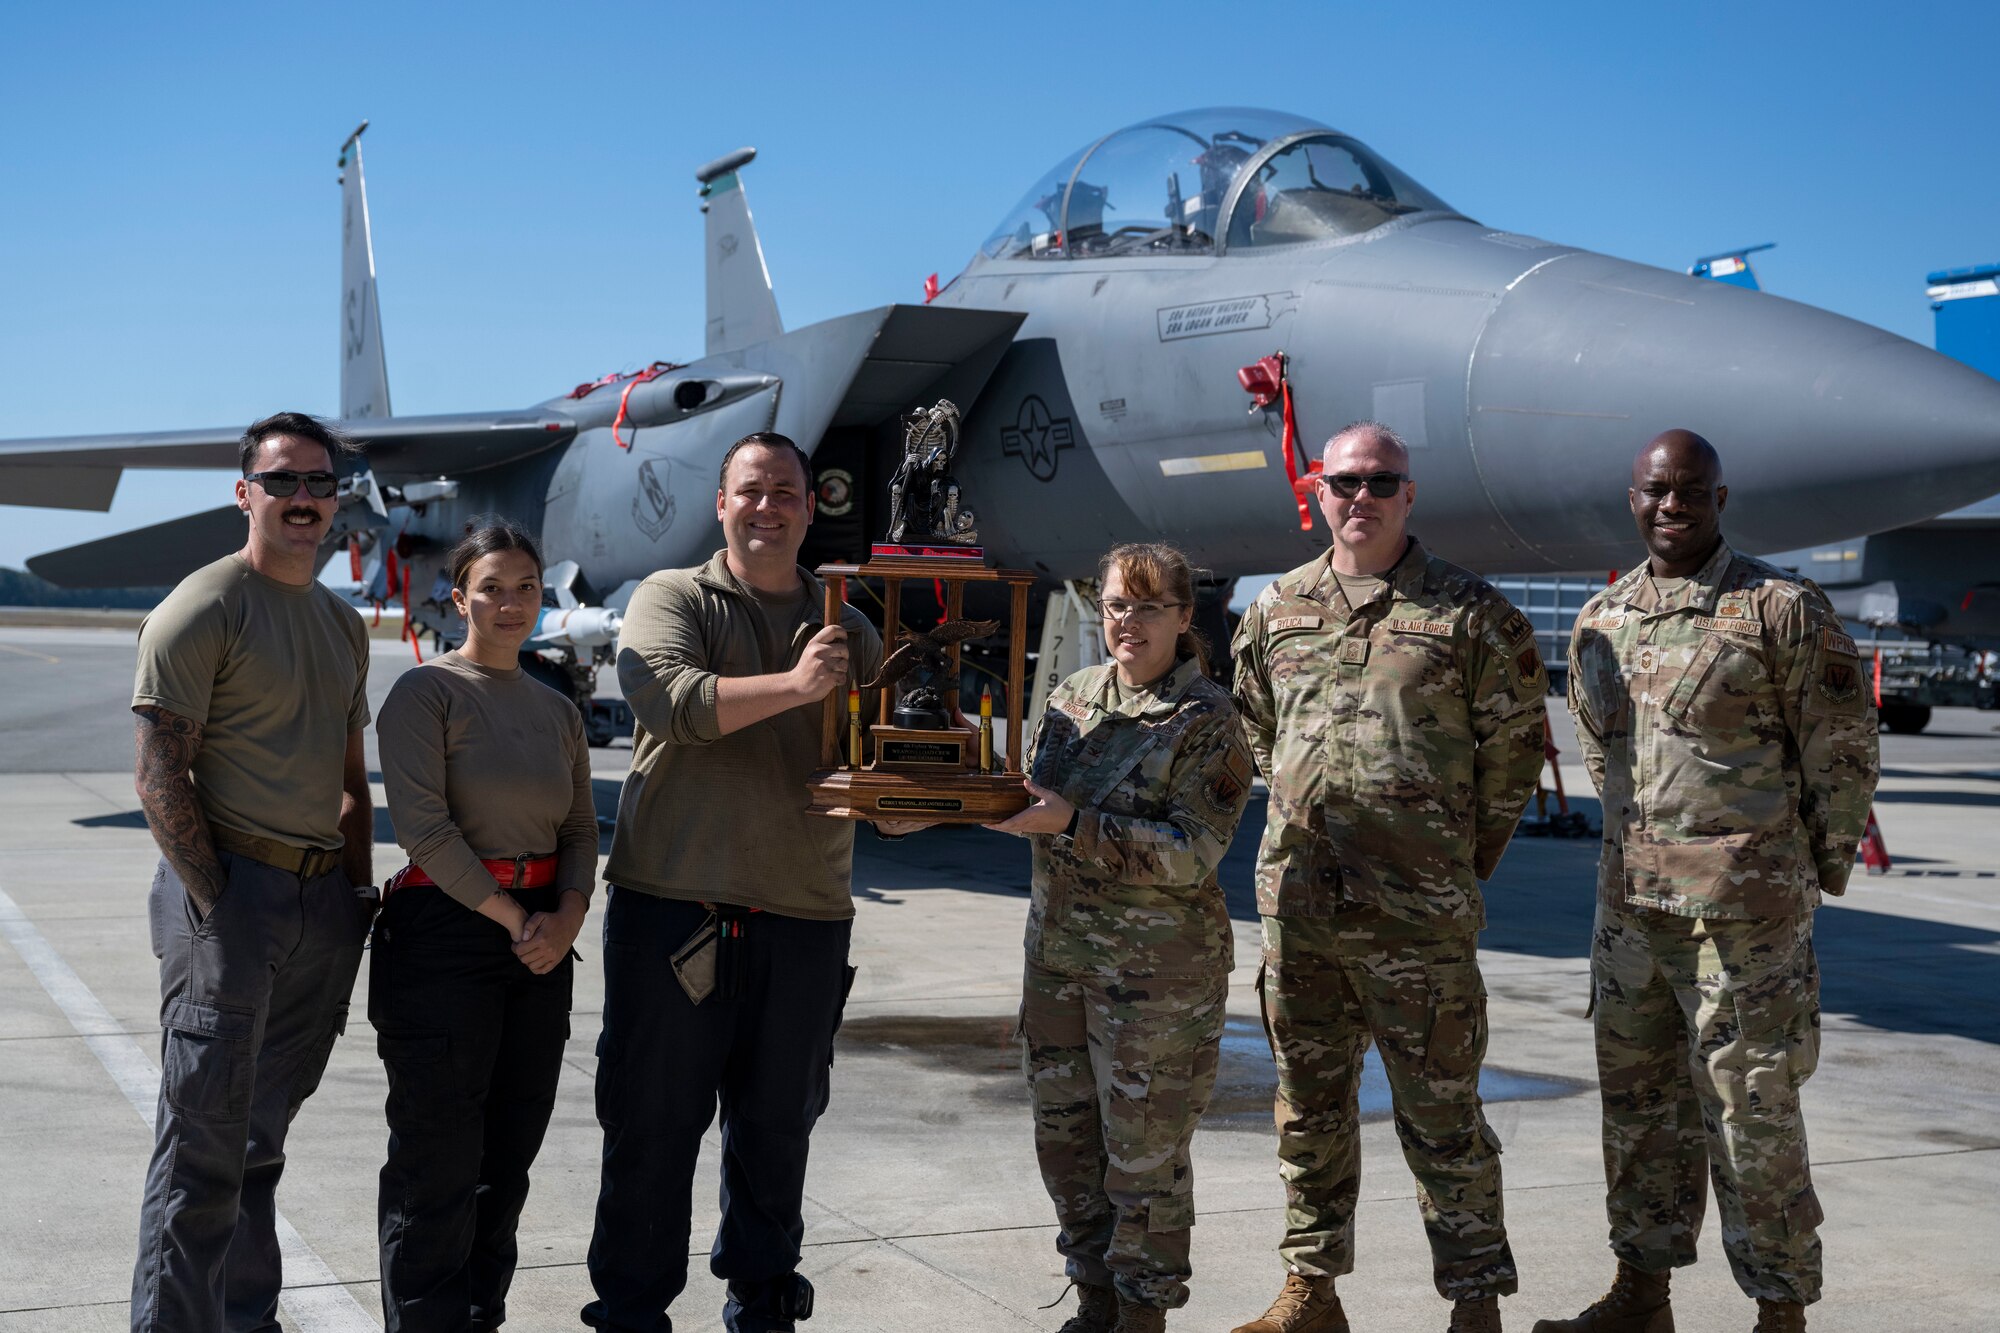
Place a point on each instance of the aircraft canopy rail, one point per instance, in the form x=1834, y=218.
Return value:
x=1165, y=186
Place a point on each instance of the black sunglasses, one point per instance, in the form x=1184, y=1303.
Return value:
x=1347, y=485
x=319, y=485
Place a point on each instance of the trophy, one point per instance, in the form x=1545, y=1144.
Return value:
x=929, y=762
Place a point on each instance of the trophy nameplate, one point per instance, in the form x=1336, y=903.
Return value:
x=918, y=758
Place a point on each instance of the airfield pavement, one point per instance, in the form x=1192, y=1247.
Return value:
x=924, y=1208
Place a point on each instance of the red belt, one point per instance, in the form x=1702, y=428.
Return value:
x=520, y=872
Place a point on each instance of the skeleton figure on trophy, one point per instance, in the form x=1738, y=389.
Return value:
x=923, y=497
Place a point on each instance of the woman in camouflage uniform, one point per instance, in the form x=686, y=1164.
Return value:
x=1140, y=771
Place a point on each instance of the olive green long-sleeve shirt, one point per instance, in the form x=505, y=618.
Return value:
x=1729, y=729
x=715, y=818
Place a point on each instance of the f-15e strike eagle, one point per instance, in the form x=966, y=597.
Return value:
x=1095, y=341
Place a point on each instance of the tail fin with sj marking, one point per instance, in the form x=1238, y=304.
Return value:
x=741, y=309
x=364, y=371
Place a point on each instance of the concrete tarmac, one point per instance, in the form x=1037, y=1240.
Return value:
x=924, y=1207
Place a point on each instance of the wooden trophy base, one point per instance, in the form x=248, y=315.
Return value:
x=935, y=797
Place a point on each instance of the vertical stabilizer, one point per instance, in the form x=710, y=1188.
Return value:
x=364, y=371
x=1731, y=266
x=741, y=309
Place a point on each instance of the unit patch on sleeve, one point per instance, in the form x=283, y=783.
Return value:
x=1839, y=681
x=1835, y=642
x=1529, y=663
x=1516, y=627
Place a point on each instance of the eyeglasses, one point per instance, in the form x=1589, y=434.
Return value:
x=1119, y=609
x=1347, y=485
x=319, y=485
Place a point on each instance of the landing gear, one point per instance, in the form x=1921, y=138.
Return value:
x=604, y=720
x=1905, y=719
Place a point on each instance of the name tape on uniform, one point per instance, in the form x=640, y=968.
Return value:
x=1605, y=622
x=1283, y=623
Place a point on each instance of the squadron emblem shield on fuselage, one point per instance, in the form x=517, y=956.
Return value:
x=652, y=507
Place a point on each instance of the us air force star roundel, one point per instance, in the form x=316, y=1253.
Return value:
x=1035, y=437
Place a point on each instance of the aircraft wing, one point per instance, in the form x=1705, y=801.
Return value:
x=81, y=471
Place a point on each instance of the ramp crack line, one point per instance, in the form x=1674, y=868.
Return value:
x=316, y=1300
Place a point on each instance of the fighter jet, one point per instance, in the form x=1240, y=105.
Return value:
x=1938, y=579
x=1101, y=342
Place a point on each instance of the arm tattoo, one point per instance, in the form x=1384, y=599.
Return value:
x=167, y=745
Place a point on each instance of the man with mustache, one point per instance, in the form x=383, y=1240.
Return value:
x=1395, y=706
x=1722, y=714
x=251, y=698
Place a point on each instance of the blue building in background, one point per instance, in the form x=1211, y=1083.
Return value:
x=1967, y=324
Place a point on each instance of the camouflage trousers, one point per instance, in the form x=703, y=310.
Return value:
x=1705, y=1032
x=1120, y=1071
x=1330, y=984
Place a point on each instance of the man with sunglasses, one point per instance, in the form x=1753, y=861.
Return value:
x=1725, y=720
x=251, y=698
x=1395, y=706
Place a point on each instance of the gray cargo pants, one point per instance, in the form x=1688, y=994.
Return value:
x=251, y=999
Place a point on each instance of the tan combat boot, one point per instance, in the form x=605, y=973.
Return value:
x=1636, y=1303
x=1096, y=1311
x=1306, y=1305
x=1141, y=1318
x=1780, y=1317
x=1475, y=1314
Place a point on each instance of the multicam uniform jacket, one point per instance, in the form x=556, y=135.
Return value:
x=1730, y=732
x=1159, y=783
x=1401, y=738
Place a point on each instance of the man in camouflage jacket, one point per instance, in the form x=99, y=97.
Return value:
x=1723, y=716
x=1395, y=705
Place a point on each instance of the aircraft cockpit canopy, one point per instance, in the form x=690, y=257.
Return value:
x=1200, y=182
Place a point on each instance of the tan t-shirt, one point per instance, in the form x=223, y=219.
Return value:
x=277, y=676
x=1360, y=588
x=485, y=764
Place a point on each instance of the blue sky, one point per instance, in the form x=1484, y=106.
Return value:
x=169, y=214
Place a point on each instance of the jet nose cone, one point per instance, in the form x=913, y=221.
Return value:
x=1828, y=428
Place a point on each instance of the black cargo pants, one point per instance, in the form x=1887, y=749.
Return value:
x=473, y=1044
x=251, y=999
x=761, y=1045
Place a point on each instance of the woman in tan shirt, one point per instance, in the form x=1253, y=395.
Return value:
x=488, y=778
